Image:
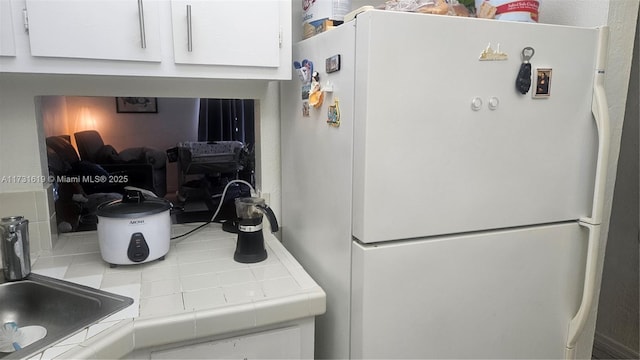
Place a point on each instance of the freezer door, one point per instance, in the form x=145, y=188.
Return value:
x=426, y=163
x=493, y=295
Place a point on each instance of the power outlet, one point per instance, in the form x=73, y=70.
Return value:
x=264, y=195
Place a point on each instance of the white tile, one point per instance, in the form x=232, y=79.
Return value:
x=44, y=228
x=114, y=279
x=162, y=330
x=226, y=242
x=19, y=204
x=35, y=238
x=170, y=259
x=56, y=273
x=214, y=237
x=87, y=258
x=203, y=267
x=130, y=290
x=195, y=256
x=272, y=271
x=79, y=270
x=99, y=327
x=161, y=305
x=224, y=252
x=282, y=309
x=64, y=248
x=280, y=287
x=317, y=301
x=204, y=299
x=159, y=273
x=279, y=251
x=160, y=287
x=62, y=240
x=221, y=320
x=236, y=277
x=51, y=205
x=53, y=229
x=53, y=261
x=201, y=281
x=224, y=264
x=87, y=248
x=303, y=279
x=116, y=342
x=36, y=357
x=93, y=281
x=133, y=310
x=53, y=352
x=194, y=246
x=244, y=293
x=55, y=266
x=42, y=207
x=75, y=339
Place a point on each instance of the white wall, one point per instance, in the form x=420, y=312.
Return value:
x=54, y=117
x=176, y=120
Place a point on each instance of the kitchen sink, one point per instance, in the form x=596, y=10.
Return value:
x=61, y=307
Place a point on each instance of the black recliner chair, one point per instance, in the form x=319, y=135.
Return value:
x=76, y=198
x=154, y=162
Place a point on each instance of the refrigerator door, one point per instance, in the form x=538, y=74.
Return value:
x=427, y=163
x=316, y=182
x=507, y=294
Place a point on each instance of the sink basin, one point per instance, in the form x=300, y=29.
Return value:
x=63, y=308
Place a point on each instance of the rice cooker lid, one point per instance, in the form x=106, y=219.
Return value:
x=128, y=208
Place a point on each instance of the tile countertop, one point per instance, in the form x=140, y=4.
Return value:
x=198, y=291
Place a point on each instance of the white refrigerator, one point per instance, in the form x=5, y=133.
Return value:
x=445, y=213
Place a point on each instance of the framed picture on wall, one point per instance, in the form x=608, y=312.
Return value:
x=136, y=105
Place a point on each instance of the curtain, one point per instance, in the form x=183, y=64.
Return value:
x=230, y=120
x=227, y=120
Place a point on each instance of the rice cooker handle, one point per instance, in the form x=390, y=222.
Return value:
x=133, y=196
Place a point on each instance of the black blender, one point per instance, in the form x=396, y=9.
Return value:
x=250, y=246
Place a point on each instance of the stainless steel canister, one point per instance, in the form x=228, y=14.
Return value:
x=14, y=246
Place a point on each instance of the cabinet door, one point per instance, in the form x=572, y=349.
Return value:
x=98, y=29
x=7, y=43
x=274, y=344
x=227, y=32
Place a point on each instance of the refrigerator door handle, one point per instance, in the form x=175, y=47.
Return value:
x=578, y=322
x=600, y=110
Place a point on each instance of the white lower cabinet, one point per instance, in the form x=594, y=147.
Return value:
x=288, y=340
x=274, y=344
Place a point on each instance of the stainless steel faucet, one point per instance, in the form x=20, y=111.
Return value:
x=14, y=246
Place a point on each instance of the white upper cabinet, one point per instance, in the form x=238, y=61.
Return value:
x=97, y=29
x=221, y=39
x=227, y=32
x=7, y=42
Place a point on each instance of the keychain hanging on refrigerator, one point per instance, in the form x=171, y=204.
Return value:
x=523, y=81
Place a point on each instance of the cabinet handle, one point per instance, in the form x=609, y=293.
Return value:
x=143, y=38
x=189, y=30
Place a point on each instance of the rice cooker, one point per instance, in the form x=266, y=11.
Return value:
x=134, y=230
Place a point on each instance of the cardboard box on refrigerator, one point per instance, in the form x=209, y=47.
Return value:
x=322, y=15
